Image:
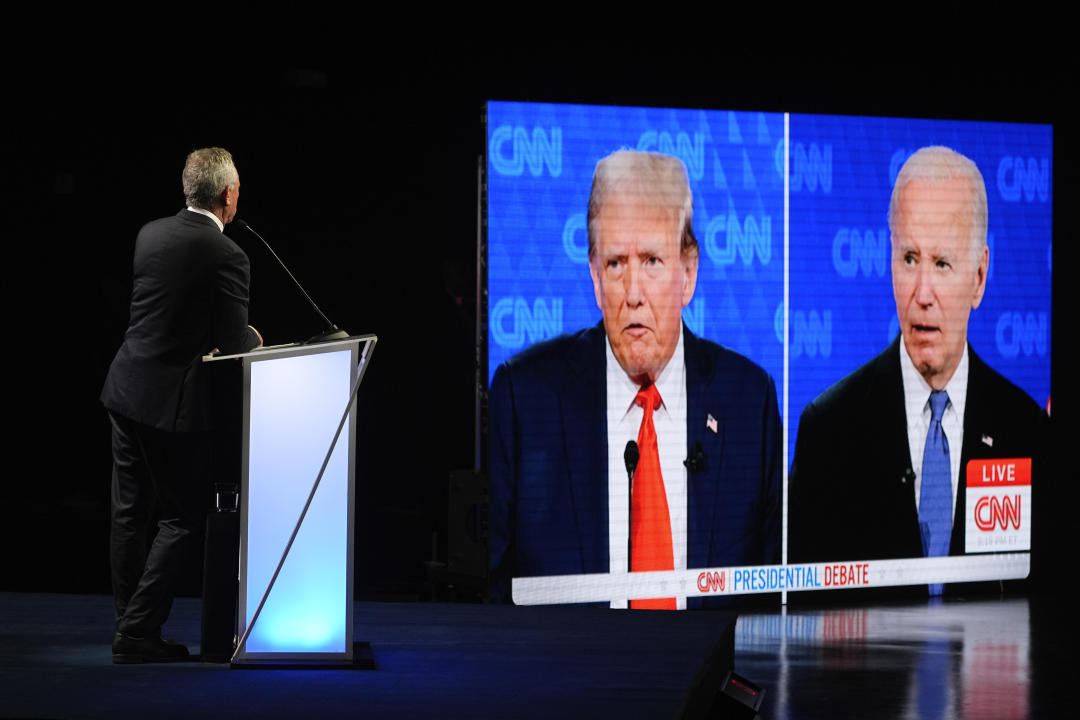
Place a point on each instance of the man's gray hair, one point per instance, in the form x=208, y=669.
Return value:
x=207, y=173
x=939, y=164
x=655, y=180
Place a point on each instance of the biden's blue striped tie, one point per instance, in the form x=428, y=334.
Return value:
x=935, y=497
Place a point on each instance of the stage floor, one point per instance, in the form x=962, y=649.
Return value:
x=1009, y=658
x=432, y=660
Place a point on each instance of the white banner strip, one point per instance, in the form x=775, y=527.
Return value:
x=557, y=589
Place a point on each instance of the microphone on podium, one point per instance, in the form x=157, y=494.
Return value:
x=332, y=331
x=631, y=456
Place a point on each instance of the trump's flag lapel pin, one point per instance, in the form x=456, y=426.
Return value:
x=987, y=440
x=710, y=422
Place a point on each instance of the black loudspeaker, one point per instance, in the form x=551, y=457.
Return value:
x=467, y=530
x=221, y=570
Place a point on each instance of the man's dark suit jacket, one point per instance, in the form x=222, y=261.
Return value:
x=189, y=296
x=549, y=460
x=851, y=487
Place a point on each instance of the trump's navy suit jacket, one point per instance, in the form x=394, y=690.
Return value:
x=549, y=460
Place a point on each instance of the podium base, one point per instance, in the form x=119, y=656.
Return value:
x=363, y=659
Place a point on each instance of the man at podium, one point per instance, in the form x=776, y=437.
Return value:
x=189, y=297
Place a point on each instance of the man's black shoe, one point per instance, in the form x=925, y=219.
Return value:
x=127, y=649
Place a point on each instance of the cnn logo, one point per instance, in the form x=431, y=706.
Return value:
x=711, y=581
x=999, y=505
x=992, y=512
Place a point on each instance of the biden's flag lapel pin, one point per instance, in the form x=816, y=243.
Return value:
x=710, y=422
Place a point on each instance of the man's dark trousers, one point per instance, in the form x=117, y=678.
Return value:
x=152, y=469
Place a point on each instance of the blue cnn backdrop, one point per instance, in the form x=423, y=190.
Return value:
x=841, y=312
x=540, y=161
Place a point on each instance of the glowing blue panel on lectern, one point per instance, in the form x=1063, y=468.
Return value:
x=296, y=405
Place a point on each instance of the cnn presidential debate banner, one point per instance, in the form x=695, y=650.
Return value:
x=790, y=213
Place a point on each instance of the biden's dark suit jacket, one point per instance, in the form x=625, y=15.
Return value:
x=189, y=296
x=549, y=460
x=851, y=488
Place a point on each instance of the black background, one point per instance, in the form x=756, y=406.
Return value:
x=363, y=175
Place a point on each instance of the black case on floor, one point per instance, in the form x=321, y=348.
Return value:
x=221, y=569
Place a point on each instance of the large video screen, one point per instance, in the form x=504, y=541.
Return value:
x=803, y=292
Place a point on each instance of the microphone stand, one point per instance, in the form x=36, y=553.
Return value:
x=631, y=455
x=332, y=331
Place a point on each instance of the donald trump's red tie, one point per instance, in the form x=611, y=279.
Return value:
x=650, y=523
